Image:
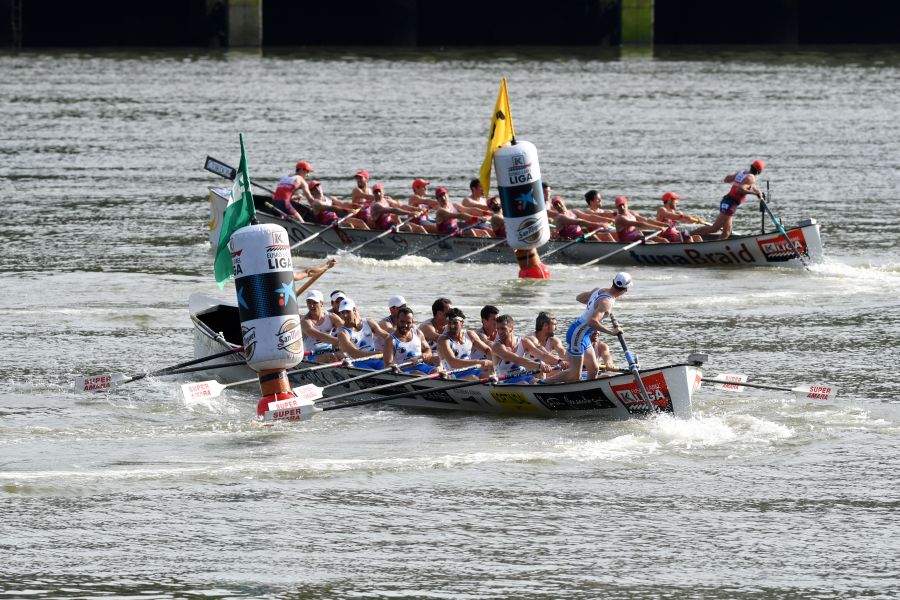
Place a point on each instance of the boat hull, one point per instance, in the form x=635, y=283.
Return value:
x=671, y=387
x=763, y=250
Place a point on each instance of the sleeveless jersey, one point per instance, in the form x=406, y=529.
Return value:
x=503, y=367
x=364, y=338
x=462, y=351
x=326, y=326
x=736, y=192
x=404, y=351
x=287, y=185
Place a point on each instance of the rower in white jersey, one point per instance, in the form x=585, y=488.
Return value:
x=395, y=303
x=578, y=338
x=406, y=343
x=456, y=346
x=488, y=330
x=544, y=345
x=509, y=354
x=319, y=327
x=356, y=338
x=434, y=327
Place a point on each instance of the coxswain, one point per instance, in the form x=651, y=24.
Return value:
x=488, y=330
x=509, y=354
x=319, y=326
x=420, y=199
x=543, y=345
x=600, y=303
x=446, y=216
x=456, y=347
x=356, y=338
x=407, y=343
x=290, y=186
x=434, y=326
x=569, y=226
x=628, y=224
x=669, y=213
x=742, y=183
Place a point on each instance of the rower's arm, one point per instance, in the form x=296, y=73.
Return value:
x=503, y=352
x=536, y=349
x=387, y=354
x=349, y=348
x=583, y=297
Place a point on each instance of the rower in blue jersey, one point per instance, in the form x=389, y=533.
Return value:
x=406, y=343
x=509, y=354
x=457, y=345
x=578, y=338
x=356, y=338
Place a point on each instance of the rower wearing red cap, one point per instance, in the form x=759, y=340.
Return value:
x=420, y=199
x=628, y=224
x=742, y=183
x=290, y=186
x=324, y=208
x=447, y=215
x=669, y=213
x=384, y=215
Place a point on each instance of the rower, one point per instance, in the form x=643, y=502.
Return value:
x=420, y=199
x=742, y=183
x=569, y=225
x=447, y=213
x=498, y=225
x=599, y=302
x=319, y=326
x=476, y=198
x=361, y=194
x=543, y=345
x=407, y=343
x=628, y=223
x=384, y=216
x=669, y=213
x=356, y=338
x=324, y=208
x=509, y=354
x=594, y=211
x=395, y=303
x=488, y=330
x=434, y=327
x=290, y=186
x=456, y=347
x=336, y=297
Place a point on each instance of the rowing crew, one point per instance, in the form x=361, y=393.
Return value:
x=444, y=343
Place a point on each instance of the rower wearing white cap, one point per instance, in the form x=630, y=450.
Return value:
x=319, y=326
x=395, y=303
x=356, y=338
x=406, y=343
x=456, y=345
x=578, y=338
x=336, y=297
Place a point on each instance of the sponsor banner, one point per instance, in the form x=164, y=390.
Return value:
x=776, y=249
x=516, y=168
x=685, y=255
x=266, y=295
x=522, y=200
x=300, y=412
x=593, y=399
x=273, y=343
x=630, y=395
x=733, y=379
x=515, y=401
x=530, y=230
x=432, y=395
x=261, y=250
x=99, y=382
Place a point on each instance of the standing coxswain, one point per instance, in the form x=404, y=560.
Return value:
x=290, y=186
x=742, y=184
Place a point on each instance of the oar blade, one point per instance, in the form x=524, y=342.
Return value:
x=291, y=409
x=99, y=383
x=730, y=382
x=201, y=390
x=310, y=391
x=826, y=393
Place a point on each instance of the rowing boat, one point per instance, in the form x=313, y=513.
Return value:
x=670, y=387
x=760, y=250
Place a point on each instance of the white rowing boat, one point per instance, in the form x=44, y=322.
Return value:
x=759, y=250
x=670, y=387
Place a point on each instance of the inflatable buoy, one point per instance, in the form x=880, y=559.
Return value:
x=521, y=197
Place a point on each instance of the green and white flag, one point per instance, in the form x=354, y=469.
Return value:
x=238, y=213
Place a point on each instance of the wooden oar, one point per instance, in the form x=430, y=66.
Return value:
x=311, y=280
x=632, y=365
x=391, y=229
x=781, y=230
x=334, y=225
x=214, y=389
x=577, y=240
x=450, y=386
x=819, y=391
x=108, y=381
x=298, y=223
x=622, y=249
x=442, y=239
x=479, y=251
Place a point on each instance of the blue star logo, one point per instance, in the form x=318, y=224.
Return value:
x=287, y=292
x=527, y=198
x=240, y=298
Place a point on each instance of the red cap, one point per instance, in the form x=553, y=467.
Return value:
x=377, y=186
x=758, y=165
x=305, y=166
x=419, y=183
x=670, y=196
x=620, y=200
x=440, y=191
x=314, y=183
x=362, y=173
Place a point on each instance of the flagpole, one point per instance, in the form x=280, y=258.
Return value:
x=253, y=219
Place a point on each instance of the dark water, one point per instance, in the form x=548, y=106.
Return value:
x=137, y=494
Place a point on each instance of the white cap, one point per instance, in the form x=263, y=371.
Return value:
x=336, y=295
x=396, y=301
x=622, y=280
x=346, y=304
x=315, y=295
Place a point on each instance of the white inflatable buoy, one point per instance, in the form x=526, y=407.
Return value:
x=522, y=199
x=264, y=283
